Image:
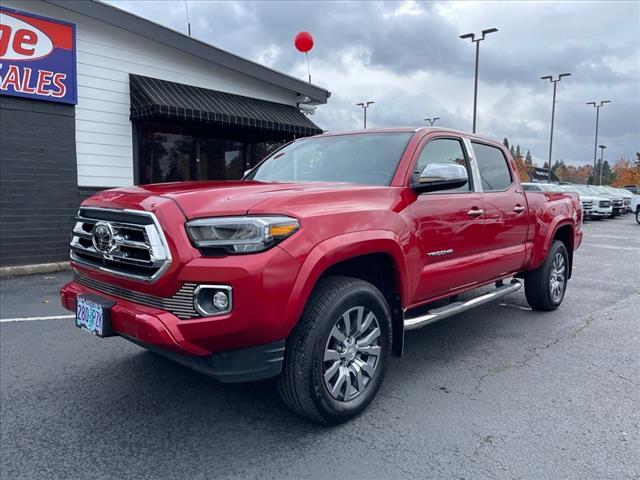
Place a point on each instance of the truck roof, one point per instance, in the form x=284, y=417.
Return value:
x=410, y=130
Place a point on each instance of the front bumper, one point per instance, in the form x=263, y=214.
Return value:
x=262, y=286
x=147, y=327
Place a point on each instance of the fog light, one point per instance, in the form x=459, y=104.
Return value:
x=221, y=301
x=211, y=300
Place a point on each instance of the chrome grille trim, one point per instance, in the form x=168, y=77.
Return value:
x=180, y=303
x=140, y=250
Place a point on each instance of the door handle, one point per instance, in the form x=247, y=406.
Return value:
x=475, y=212
x=519, y=209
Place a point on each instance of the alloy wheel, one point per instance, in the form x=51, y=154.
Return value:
x=352, y=353
x=557, y=278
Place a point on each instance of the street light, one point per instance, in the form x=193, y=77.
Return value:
x=553, y=110
x=364, y=106
x=602, y=147
x=477, y=41
x=595, y=144
x=431, y=121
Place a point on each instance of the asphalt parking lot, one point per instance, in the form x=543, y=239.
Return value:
x=497, y=392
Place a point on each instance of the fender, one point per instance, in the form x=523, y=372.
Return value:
x=540, y=254
x=335, y=250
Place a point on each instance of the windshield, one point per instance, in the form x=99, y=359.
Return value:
x=365, y=158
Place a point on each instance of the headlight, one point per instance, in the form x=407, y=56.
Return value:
x=241, y=234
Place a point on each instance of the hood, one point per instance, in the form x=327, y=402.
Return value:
x=204, y=199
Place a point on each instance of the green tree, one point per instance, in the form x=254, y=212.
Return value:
x=505, y=142
x=518, y=152
x=528, y=161
x=513, y=152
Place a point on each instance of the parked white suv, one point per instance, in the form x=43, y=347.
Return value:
x=600, y=206
x=593, y=206
x=635, y=206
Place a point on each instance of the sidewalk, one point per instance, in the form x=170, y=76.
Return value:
x=32, y=295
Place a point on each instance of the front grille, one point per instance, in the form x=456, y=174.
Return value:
x=605, y=203
x=617, y=203
x=129, y=243
x=587, y=203
x=180, y=304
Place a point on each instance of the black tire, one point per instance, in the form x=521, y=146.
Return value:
x=538, y=282
x=638, y=215
x=302, y=382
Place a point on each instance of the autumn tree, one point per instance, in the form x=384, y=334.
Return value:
x=522, y=169
x=626, y=173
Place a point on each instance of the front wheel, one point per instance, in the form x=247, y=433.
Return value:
x=545, y=286
x=638, y=215
x=337, y=355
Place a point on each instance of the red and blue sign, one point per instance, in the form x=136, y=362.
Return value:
x=37, y=57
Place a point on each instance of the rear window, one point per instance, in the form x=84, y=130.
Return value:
x=494, y=169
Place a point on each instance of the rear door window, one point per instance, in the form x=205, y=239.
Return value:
x=494, y=169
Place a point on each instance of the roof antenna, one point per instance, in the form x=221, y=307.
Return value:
x=186, y=7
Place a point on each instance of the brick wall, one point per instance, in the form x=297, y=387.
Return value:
x=38, y=180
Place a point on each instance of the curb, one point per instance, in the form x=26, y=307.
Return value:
x=21, y=270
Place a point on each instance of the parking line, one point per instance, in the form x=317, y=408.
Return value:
x=32, y=319
x=611, y=247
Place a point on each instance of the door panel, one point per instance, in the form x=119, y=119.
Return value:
x=450, y=242
x=505, y=212
x=448, y=225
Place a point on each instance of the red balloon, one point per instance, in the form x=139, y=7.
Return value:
x=304, y=42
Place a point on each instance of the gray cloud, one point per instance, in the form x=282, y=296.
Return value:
x=408, y=58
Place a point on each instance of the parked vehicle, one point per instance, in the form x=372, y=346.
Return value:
x=593, y=206
x=624, y=194
x=617, y=201
x=635, y=189
x=635, y=207
x=589, y=202
x=313, y=267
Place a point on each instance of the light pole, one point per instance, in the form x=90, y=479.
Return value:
x=595, y=144
x=431, y=121
x=477, y=41
x=553, y=111
x=602, y=147
x=364, y=106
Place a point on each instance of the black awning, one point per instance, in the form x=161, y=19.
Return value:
x=152, y=98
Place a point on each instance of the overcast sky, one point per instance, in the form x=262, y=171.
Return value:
x=407, y=57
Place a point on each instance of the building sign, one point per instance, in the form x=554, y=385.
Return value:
x=37, y=57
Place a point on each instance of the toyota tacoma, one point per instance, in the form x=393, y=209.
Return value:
x=313, y=267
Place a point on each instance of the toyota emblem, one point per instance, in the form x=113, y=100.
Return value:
x=102, y=237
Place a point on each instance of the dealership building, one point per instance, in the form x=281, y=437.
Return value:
x=93, y=97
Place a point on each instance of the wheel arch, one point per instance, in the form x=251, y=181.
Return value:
x=374, y=256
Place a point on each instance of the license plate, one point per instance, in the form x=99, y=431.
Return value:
x=92, y=315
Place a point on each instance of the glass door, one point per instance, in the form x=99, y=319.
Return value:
x=219, y=159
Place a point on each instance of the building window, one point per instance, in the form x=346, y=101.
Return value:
x=168, y=153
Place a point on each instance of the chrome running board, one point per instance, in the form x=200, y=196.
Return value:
x=437, y=314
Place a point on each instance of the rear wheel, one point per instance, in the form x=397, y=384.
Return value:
x=638, y=215
x=545, y=286
x=337, y=355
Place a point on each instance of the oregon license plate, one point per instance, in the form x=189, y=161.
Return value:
x=92, y=315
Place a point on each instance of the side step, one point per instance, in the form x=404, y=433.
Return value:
x=437, y=314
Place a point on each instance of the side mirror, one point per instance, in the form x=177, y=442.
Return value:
x=441, y=176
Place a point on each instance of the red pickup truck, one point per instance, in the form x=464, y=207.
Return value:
x=313, y=266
